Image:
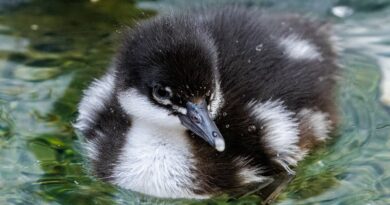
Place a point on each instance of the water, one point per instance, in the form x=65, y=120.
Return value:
x=51, y=50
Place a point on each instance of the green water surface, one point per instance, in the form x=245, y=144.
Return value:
x=51, y=49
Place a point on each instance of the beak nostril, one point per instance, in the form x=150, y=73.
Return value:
x=215, y=134
x=195, y=118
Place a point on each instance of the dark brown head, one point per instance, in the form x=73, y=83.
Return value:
x=166, y=73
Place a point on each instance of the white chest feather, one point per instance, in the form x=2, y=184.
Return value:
x=156, y=161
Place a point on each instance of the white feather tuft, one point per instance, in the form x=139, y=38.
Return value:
x=319, y=122
x=94, y=101
x=297, y=48
x=249, y=174
x=217, y=99
x=281, y=131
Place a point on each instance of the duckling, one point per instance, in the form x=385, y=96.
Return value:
x=201, y=103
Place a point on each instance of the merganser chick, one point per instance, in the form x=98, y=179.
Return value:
x=201, y=103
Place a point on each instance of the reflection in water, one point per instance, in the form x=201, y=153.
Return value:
x=50, y=50
x=372, y=36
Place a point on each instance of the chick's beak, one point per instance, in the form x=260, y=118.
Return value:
x=198, y=120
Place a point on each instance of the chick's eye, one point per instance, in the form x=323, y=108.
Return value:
x=161, y=93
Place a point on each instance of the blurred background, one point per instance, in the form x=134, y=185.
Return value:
x=51, y=49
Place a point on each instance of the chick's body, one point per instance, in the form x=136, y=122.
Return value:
x=265, y=81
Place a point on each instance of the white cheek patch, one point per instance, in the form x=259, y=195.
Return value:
x=281, y=131
x=94, y=101
x=319, y=122
x=297, y=48
x=139, y=107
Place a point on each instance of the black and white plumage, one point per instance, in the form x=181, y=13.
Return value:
x=202, y=103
